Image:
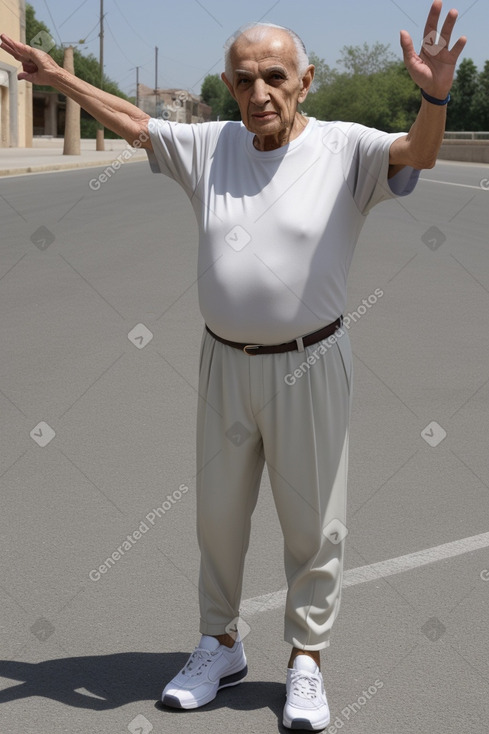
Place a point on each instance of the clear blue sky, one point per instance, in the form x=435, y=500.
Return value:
x=190, y=33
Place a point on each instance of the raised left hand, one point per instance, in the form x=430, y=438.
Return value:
x=38, y=67
x=434, y=68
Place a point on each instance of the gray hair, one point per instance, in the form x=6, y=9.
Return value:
x=256, y=32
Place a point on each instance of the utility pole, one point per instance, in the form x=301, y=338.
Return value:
x=137, y=86
x=71, y=144
x=156, y=81
x=100, y=128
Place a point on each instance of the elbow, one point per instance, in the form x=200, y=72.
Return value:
x=426, y=163
x=404, y=152
x=420, y=154
x=137, y=134
x=422, y=162
x=424, y=157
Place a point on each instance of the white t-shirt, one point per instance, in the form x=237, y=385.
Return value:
x=277, y=229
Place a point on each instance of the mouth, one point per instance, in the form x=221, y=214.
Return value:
x=268, y=115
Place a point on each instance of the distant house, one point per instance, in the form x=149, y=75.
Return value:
x=176, y=105
x=15, y=96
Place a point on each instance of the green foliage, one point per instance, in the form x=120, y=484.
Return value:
x=323, y=74
x=211, y=93
x=481, y=100
x=462, y=111
x=375, y=90
x=86, y=68
x=366, y=60
x=215, y=93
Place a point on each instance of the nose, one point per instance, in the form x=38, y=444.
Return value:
x=260, y=95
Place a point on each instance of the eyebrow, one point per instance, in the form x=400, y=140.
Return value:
x=268, y=70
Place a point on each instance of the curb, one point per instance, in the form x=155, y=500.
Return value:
x=65, y=166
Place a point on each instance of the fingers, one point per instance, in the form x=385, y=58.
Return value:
x=459, y=47
x=407, y=46
x=447, y=28
x=14, y=48
x=448, y=25
x=406, y=42
x=7, y=44
x=433, y=18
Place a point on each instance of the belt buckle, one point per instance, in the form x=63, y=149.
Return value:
x=251, y=346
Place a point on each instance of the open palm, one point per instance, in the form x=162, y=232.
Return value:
x=434, y=67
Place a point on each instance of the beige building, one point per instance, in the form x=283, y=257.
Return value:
x=176, y=105
x=15, y=96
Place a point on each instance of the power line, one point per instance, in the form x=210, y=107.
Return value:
x=95, y=27
x=118, y=45
x=73, y=13
x=145, y=40
x=128, y=74
x=52, y=21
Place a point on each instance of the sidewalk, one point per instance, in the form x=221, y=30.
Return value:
x=47, y=155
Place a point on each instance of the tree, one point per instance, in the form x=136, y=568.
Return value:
x=323, y=74
x=462, y=114
x=86, y=68
x=481, y=100
x=211, y=93
x=365, y=59
x=386, y=99
x=215, y=93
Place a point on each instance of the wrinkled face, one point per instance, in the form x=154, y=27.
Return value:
x=266, y=83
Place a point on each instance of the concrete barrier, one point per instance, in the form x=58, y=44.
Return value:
x=467, y=151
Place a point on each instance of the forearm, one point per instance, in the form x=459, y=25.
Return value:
x=421, y=145
x=113, y=112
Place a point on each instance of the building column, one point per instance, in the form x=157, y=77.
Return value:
x=4, y=117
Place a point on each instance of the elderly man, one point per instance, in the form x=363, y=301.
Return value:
x=280, y=201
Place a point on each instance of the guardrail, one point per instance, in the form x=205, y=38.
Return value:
x=466, y=146
x=466, y=135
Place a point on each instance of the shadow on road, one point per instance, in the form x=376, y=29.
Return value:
x=102, y=682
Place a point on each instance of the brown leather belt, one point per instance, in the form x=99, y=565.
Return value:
x=298, y=344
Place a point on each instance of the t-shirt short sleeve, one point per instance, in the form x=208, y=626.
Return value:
x=367, y=176
x=178, y=151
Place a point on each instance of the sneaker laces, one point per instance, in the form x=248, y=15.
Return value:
x=304, y=684
x=198, y=661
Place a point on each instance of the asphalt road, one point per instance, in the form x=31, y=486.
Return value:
x=98, y=372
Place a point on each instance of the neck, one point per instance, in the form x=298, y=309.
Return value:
x=272, y=142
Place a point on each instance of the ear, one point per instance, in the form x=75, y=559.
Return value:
x=228, y=85
x=306, y=82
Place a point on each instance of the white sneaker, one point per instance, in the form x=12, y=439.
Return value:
x=307, y=705
x=210, y=667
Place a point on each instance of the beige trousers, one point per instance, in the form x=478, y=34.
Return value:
x=291, y=410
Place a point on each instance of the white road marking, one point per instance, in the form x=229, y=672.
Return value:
x=451, y=183
x=380, y=570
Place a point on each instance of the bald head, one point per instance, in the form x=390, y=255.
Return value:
x=278, y=39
